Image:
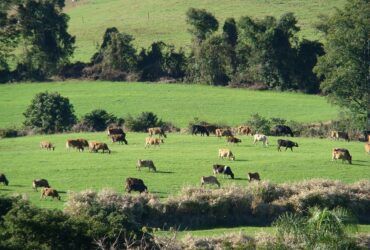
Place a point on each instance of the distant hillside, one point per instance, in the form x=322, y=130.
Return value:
x=153, y=20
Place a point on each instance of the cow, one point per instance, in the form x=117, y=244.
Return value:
x=341, y=153
x=254, y=176
x=121, y=138
x=367, y=147
x=260, y=137
x=209, y=180
x=336, y=135
x=223, y=169
x=115, y=131
x=226, y=153
x=223, y=132
x=146, y=163
x=283, y=130
x=45, y=192
x=80, y=144
x=287, y=144
x=96, y=146
x=48, y=145
x=40, y=183
x=157, y=131
x=244, y=130
x=3, y=179
x=134, y=184
x=153, y=141
x=195, y=129
x=232, y=139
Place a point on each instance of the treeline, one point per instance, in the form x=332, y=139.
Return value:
x=264, y=53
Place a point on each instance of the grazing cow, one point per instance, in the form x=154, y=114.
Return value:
x=283, y=130
x=254, y=176
x=96, y=146
x=48, y=145
x=40, y=183
x=262, y=138
x=3, y=179
x=211, y=128
x=80, y=144
x=153, y=141
x=226, y=153
x=146, y=164
x=195, y=129
x=244, y=130
x=157, y=131
x=134, y=184
x=341, y=153
x=287, y=144
x=232, y=139
x=119, y=138
x=223, y=169
x=115, y=131
x=367, y=148
x=336, y=135
x=209, y=180
x=223, y=132
x=45, y=192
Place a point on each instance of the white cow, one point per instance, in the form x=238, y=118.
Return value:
x=262, y=138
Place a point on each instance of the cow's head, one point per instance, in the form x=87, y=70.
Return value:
x=296, y=144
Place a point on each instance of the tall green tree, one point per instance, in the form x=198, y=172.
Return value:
x=202, y=24
x=345, y=66
x=43, y=28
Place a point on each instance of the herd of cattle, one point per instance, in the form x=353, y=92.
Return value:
x=135, y=184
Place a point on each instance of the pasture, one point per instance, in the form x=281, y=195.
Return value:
x=180, y=161
x=162, y=20
x=176, y=103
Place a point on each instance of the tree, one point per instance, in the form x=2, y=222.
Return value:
x=50, y=113
x=202, y=23
x=150, y=62
x=98, y=119
x=345, y=66
x=47, y=43
x=230, y=34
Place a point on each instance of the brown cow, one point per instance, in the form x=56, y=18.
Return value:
x=49, y=192
x=367, y=147
x=223, y=132
x=3, y=179
x=232, y=139
x=80, y=144
x=119, y=138
x=244, y=130
x=254, y=176
x=226, y=153
x=341, y=153
x=96, y=146
x=157, y=131
x=114, y=131
x=336, y=135
x=209, y=180
x=153, y=141
x=135, y=184
x=40, y=183
x=146, y=163
x=48, y=145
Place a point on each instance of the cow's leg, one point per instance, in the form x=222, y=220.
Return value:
x=291, y=149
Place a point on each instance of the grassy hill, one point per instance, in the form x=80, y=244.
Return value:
x=149, y=20
x=177, y=103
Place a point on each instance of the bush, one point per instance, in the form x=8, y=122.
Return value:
x=259, y=124
x=142, y=122
x=8, y=132
x=50, y=113
x=98, y=120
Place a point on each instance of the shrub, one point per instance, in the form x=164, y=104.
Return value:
x=259, y=124
x=50, y=113
x=98, y=120
x=142, y=122
x=8, y=132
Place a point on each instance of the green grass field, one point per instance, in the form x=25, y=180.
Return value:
x=177, y=103
x=149, y=20
x=180, y=161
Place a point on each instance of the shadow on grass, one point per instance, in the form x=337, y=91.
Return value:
x=18, y=185
x=164, y=172
x=5, y=189
x=240, y=179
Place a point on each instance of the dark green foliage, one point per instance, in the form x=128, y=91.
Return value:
x=202, y=23
x=50, y=113
x=230, y=31
x=144, y=121
x=98, y=119
x=174, y=64
x=259, y=124
x=151, y=61
x=345, y=66
x=47, y=44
